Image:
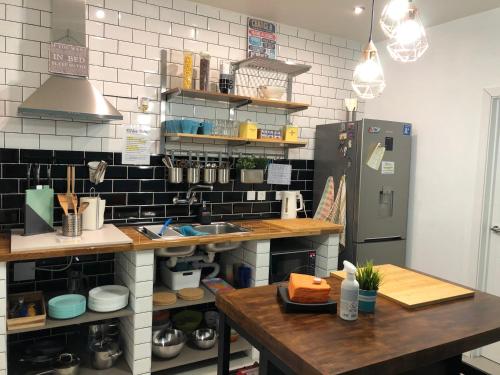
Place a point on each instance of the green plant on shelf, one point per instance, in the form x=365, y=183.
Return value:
x=251, y=162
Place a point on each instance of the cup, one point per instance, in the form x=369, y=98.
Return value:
x=72, y=225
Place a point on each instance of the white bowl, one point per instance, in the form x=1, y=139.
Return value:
x=271, y=92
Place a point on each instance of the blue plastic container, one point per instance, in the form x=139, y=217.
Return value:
x=206, y=128
x=172, y=126
x=367, y=299
x=189, y=126
x=67, y=306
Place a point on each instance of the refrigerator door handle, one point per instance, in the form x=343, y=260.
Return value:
x=382, y=239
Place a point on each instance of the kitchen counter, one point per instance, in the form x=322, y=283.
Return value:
x=394, y=340
x=259, y=230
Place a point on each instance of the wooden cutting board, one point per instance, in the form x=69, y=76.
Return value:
x=294, y=224
x=107, y=236
x=412, y=289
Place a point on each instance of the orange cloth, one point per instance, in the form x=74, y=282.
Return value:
x=301, y=289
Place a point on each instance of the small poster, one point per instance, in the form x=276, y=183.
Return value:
x=68, y=59
x=261, y=38
x=388, y=167
x=375, y=157
x=137, y=145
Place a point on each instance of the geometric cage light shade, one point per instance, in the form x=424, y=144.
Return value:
x=368, y=78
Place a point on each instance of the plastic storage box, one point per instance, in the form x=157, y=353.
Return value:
x=181, y=279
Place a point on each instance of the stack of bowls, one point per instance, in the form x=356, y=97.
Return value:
x=108, y=298
x=67, y=306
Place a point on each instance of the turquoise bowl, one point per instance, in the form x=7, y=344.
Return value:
x=67, y=306
x=172, y=126
x=367, y=299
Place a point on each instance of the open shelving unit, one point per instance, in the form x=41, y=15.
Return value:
x=87, y=317
x=234, y=141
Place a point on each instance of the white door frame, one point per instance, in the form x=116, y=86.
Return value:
x=492, y=149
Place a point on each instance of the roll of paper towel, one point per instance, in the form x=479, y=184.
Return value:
x=93, y=216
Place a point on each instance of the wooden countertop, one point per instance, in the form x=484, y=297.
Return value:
x=259, y=230
x=391, y=341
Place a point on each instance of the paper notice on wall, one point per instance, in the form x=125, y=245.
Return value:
x=137, y=145
x=376, y=157
x=279, y=174
x=388, y=167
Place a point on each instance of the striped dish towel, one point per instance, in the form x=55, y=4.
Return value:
x=325, y=207
x=339, y=208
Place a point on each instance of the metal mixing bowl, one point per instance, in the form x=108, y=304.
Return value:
x=168, y=342
x=204, y=338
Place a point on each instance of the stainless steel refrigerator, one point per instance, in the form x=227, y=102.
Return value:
x=375, y=157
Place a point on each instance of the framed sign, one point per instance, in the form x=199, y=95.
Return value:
x=261, y=38
x=68, y=59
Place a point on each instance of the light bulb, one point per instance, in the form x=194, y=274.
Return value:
x=409, y=41
x=368, y=78
x=393, y=13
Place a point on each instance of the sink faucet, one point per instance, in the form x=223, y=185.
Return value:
x=191, y=195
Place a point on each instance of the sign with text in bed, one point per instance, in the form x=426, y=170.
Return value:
x=261, y=38
x=68, y=59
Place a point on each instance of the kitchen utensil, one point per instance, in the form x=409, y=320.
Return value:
x=193, y=175
x=223, y=175
x=108, y=298
x=78, y=283
x=168, y=343
x=83, y=207
x=204, y=338
x=271, y=92
x=411, y=289
x=104, y=354
x=42, y=353
x=97, y=170
x=93, y=216
x=67, y=306
x=164, y=227
x=74, y=198
x=67, y=364
x=187, y=320
x=289, y=207
x=290, y=306
x=160, y=327
x=39, y=209
x=69, y=198
x=191, y=294
x=175, y=175
x=164, y=298
x=63, y=202
x=72, y=225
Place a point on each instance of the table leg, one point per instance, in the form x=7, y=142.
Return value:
x=224, y=343
x=264, y=363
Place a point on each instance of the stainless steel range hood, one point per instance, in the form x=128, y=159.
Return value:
x=63, y=96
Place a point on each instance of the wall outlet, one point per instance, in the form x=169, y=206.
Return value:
x=24, y=271
x=250, y=195
x=261, y=195
x=278, y=195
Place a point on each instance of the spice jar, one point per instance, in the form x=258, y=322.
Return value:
x=204, y=71
x=226, y=78
x=187, y=73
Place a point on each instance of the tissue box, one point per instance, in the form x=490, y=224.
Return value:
x=290, y=133
x=248, y=130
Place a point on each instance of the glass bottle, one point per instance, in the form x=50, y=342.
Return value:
x=204, y=71
x=187, y=73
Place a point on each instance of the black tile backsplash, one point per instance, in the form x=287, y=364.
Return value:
x=139, y=193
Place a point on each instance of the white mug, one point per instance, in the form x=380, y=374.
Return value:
x=93, y=216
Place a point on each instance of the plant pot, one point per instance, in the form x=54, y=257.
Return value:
x=252, y=176
x=367, y=300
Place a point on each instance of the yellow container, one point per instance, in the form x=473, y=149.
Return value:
x=187, y=70
x=248, y=130
x=290, y=133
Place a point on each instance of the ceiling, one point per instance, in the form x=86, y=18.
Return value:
x=336, y=16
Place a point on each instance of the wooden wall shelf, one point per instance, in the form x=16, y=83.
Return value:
x=234, y=140
x=234, y=100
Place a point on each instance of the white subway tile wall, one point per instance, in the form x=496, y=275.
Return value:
x=125, y=38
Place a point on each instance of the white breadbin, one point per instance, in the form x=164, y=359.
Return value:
x=181, y=279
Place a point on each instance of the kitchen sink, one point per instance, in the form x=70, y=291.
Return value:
x=151, y=232
x=220, y=228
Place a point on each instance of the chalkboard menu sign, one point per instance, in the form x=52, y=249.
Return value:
x=261, y=38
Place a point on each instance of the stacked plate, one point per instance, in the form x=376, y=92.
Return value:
x=108, y=298
x=67, y=306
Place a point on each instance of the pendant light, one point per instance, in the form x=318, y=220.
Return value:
x=368, y=78
x=401, y=22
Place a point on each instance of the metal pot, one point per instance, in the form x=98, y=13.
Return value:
x=67, y=364
x=104, y=354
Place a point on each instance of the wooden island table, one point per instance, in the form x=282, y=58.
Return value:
x=428, y=340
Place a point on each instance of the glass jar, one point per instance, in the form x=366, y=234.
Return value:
x=226, y=78
x=187, y=73
x=204, y=71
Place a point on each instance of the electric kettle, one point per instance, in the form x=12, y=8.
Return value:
x=289, y=204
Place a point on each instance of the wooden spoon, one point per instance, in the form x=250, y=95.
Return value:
x=63, y=202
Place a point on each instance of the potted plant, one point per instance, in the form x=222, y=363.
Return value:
x=251, y=169
x=369, y=280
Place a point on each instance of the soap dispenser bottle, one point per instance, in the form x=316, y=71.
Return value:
x=204, y=215
x=349, y=293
